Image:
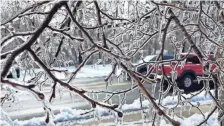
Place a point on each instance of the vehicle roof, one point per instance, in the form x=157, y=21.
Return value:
x=149, y=57
x=157, y=55
x=194, y=54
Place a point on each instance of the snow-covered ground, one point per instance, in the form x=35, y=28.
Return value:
x=193, y=120
x=87, y=71
x=67, y=114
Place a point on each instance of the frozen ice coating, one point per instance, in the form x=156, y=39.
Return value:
x=111, y=62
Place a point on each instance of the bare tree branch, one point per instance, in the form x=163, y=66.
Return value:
x=91, y=40
x=66, y=34
x=25, y=10
x=5, y=39
x=100, y=23
x=174, y=6
x=32, y=39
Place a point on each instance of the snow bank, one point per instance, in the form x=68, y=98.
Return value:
x=32, y=122
x=67, y=114
x=4, y=123
x=196, y=119
x=202, y=98
x=135, y=105
x=193, y=120
x=73, y=115
x=170, y=101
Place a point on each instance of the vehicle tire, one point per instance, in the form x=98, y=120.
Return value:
x=186, y=82
x=143, y=71
x=165, y=85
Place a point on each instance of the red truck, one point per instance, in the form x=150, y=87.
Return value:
x=186, y=73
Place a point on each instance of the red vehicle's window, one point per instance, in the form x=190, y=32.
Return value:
x=191, y=59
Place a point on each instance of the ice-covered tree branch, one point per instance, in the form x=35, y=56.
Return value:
x=24, y=11
x=143, y=46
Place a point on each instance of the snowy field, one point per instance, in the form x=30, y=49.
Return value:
x=69, y=115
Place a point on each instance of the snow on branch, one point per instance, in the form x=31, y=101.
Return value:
x=5, y=39
x=24, y=11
